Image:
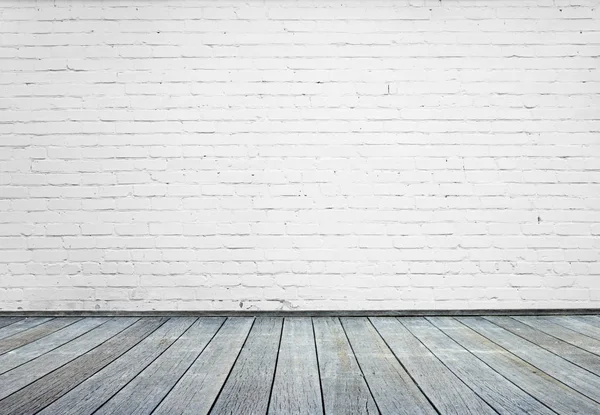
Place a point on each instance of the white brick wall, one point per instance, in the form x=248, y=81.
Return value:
x=307, y=154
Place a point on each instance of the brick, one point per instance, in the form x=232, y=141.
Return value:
x=412, y=155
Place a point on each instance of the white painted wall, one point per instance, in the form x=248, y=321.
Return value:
x=299, y=154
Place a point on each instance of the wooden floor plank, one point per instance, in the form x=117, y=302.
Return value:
x=583, y=326
x=247, y=389
x=49, y=388
x=6, y=321
x=89, y=395
x=538, y=384
x=35, y=333
x=497, y=391
x=446, y=391
x=148, y=389
x=22, y=376
x=345, y=391
x=560, y=332
x=571, y=375
x=296, y=389
x=39, y=347
x=393, y=389
x=567, y=351
x=198, y=388
x=300, y=365
x=22, y=325
x=593, y=320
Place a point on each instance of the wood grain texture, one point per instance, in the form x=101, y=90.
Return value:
x=49, y=388
x=148, y=389
x=21, y=376
x=567, y=351
x=88, y=396
x=21, y=325
x=35, y=333
x=269, y=366
x=391, y=386
x=560, y=332
x=32, y=350
x=248, y=387
x=538, y=384
x=345, y=391
x=7, y=321
x=497, y=391
x=445, y=390
x=296, y=389
x=571, y=375
x=590, y=328
x=198, y=388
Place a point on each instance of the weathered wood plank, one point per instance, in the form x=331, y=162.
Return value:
x=296, y=389
x=32, y=350
x=538, y=384
x=248, y=387
x=571, y=375
x=513, y=364
x=345, y=391
x=89, y=395
x=49, y=388
x=198, y=388
x=560, y=332
x=578, y=324
x=148, y=389
x=35, y=333
x=580, y=357
x=502, y=395
x=393, y=389
x=21, y=376
x=22, y=325
x=591, y=318
x=6, y=321
x=446, y=391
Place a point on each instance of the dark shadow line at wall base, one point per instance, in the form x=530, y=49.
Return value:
x=300, y=313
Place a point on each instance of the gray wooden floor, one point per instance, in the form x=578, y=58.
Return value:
x=300, y=365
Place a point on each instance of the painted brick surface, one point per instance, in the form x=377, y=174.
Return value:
x=299, y=154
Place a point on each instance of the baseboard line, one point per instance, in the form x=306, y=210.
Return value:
x=298, y=313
